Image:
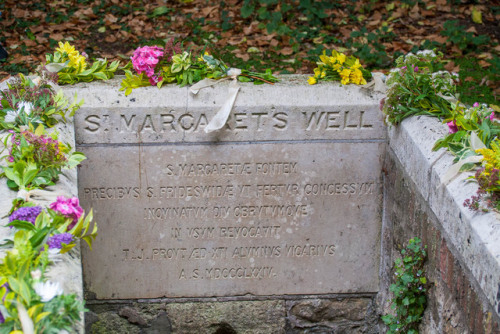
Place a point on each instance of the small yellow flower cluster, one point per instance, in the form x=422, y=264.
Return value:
x=338, y=67
x=76, y=60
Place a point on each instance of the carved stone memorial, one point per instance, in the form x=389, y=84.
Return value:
x=284, y=200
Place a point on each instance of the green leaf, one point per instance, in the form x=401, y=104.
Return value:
x=160, y=11
x=100, y=76
x=22, y=225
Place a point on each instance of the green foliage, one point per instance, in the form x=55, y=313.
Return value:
x=276, y=16
x=409, y=289
x=36, y=159
x=475, y=130
x=369, y=45
x=185, y=69
x=33, y=101
x=472, y=86
x=416, y=88
x=72, y=67
x=458, y=35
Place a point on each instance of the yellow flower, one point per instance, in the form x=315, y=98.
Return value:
x=76, y=60
x=200, y=58
x=341, y=58
x=312, y=80
x=344, y=75
x=319, y=72
x=327, y=61
x=356, y=65
x=356, y=77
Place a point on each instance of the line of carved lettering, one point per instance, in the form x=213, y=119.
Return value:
x=238, y=122
x=231, y=191
x=240, y=273
x=239, y=211
x=233, y=168
x=222, y=252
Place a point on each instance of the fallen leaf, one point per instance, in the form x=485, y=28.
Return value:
x=110, y=39
x=207, y=10
x=286, y=51
x=477, y=17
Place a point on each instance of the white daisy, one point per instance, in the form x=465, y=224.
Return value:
x=48, y=290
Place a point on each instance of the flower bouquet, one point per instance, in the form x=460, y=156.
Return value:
x=72, y=66
x=155, y=65
x=339, y=67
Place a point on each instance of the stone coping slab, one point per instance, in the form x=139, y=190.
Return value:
x=475, y=236
x=290, y=109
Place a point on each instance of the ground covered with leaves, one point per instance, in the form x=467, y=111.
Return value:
x=284, y=35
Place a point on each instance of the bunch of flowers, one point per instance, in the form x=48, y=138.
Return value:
x=68, y=207
x=72, y=66
x=44, y=150
x=488, y=178
x=339, y=67
x=26, y=213
x=418, y=87
x=155, y=65
x=33, y=301
x=474, y=115
x=145, y=60
x=33, y=101
x=36, y=159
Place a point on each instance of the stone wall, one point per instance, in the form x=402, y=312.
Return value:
x=462, y=246
x=420, y=200
x=328, y=314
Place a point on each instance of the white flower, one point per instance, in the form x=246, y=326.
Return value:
x=48, y=290
x=28, y=106
x=13, y=114
x=36, y=274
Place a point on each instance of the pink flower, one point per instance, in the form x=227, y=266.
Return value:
x=452, y=126
x=492, y=116
x=145, y=59
x=69, y=207
x=476, y=104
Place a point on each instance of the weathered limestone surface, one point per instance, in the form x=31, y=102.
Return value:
x=273, y=200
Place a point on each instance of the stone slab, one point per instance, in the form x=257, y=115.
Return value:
x=290, y=110
x=224, y=220
x=187, y=214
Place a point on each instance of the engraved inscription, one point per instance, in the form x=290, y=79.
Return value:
x=190, y=122
x=217, y=220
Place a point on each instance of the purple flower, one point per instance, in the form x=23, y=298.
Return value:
x=28, y=213
x=476, y=104
x=492, y=116
x=452, y=126
x=57, y=240
x=2, y=320
x=415, y=68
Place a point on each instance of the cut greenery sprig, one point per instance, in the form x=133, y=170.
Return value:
x=339, y=67
x=154, y=65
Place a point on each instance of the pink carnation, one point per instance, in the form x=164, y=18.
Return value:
x=452, y=127
x=145, y=59
x=69, y=207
